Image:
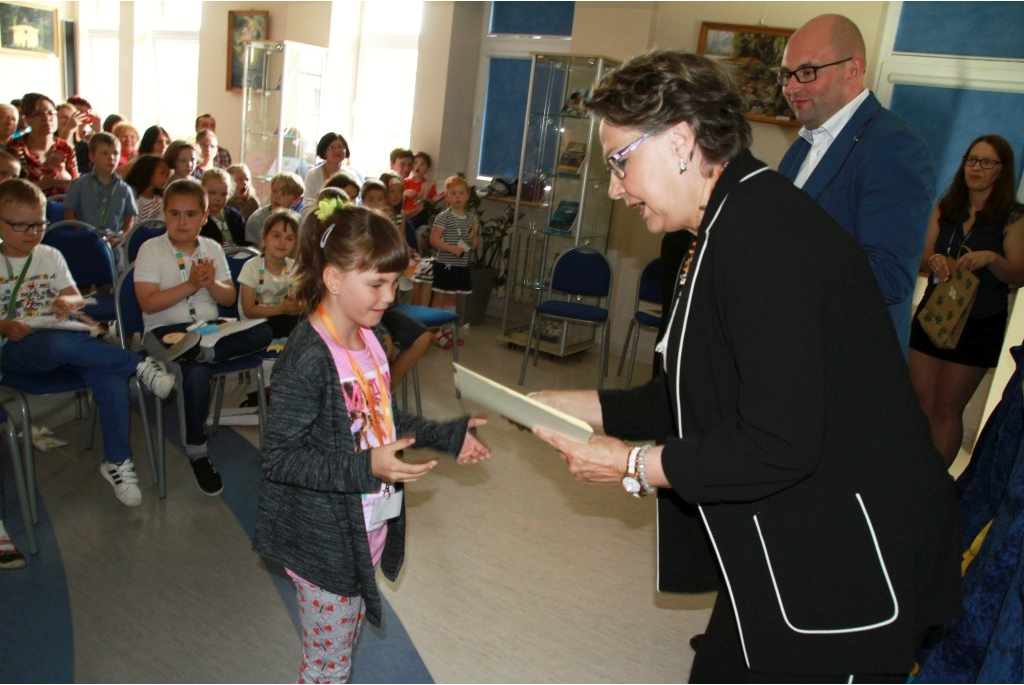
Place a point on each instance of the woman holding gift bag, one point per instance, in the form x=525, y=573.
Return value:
x=979, y=227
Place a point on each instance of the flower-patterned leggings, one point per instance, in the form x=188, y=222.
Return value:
x=330, y=627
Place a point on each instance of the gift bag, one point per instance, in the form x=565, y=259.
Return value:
x=944, y=314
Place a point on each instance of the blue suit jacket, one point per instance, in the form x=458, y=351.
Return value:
x=877, y=180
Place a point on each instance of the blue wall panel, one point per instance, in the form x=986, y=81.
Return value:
x=508, y=83
x=532, y=18
x=965, y=29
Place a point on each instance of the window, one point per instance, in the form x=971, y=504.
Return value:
x=386, y=73
x=513, y=31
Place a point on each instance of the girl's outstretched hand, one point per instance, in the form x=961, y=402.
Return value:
x=389, y=467
x=473, y=450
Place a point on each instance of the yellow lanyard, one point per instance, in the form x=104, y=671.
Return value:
x=184, y=278
x=381, y=417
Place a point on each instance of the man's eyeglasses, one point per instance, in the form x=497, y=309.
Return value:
x=27, y=228
x=804, y=74
x=616, y=164
x=983, y=162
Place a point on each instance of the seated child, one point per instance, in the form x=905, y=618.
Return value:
x=147, y=178
x=206, y=141
x=38, y=304
x=244, y=198
x=100, y=197
x=453, y=235
x=10, y=167
x=225, y=224
x=286, y=190
x=181, y=156
x=180, y=278
x=265, y=282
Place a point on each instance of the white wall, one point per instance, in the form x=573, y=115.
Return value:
x=29, y=73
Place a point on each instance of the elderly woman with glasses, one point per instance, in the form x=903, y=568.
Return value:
x=978, y=226
x=46, y=159
x=784, y=417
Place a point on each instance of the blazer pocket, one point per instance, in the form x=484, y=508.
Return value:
x=827, y=569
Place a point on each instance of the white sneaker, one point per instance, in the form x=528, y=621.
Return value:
x=126, y=483
x=155, y=377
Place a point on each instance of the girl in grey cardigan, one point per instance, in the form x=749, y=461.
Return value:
x=331, y=505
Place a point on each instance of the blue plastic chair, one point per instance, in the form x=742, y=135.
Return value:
x=151, y=228
x=648, y=297
x=237, y=257
x=429, y=317
x=19, y=480
x=91, y=262
x=129, y=323
x=579, y=274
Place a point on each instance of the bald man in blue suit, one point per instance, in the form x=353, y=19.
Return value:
x=863, y=164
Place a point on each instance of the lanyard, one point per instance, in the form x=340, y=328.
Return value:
x=380, y=413
x=259, y=286
x=225, y=234
x=96, y=188
x=184, y=279
x=12, y=304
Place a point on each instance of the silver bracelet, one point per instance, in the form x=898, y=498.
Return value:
x=645, y=486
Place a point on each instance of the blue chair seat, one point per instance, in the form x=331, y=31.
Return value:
x=104, y=309
x=429, y=316
x=648, y=320
x=573, y=310
x=47, y=384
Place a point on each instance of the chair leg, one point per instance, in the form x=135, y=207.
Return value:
x=405, y=392
x=602, y=368
x=93, y=414
x=141, y=395
x=261, y=399
x=219, y=381
x=161, y=449
x=632, y=357
x=416, y=388
x=625, y=345
x=526, y=352
x=22, y=487
x=455, y=358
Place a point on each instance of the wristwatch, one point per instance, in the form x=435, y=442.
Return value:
x=631, y=481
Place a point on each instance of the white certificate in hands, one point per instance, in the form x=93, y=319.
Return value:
x=517, y=406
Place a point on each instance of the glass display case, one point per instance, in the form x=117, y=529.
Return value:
x=562, y=197
x=281, y=99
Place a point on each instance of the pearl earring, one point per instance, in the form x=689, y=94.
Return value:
x=682, y=165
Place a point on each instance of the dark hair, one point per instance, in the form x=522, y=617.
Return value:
x=325, y=142
x=189, y=187
x=30, y=103
x=659, y=89
x=360, y=239
x=174, y=149
x=400, y=153
x=955, y=205
x=343, y=180
x=372, y=184
x=103, y=138
x=425, y=157
x=206, y=116
x=150, y=137
x=142, y=171
x=79, y=101
x=111, y=121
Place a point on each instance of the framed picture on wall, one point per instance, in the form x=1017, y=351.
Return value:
x=752, y=54
x=242, y=28
x=29, y=29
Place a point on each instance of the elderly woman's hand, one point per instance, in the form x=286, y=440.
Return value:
x=600, y=460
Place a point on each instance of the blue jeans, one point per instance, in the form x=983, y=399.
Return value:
x=103, y=368
x=196, y=376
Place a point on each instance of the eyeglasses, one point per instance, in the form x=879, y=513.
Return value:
x=804, y=74
x=28, y=228
x=337, y=148
x=983, y=162
x=616, y=164
x=48, y=113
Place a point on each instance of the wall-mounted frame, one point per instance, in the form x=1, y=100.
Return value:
x=752, y=55
x=242, y=28
x=29, y=29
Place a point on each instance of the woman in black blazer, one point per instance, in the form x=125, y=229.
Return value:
x=784, y=414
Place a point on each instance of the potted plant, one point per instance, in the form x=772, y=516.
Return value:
x=488, y=262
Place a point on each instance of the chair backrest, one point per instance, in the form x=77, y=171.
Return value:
x=151, y=228
x=237, y=257
x=582, y=271
x=88, y=255
x=129, y=311
x=648, y=288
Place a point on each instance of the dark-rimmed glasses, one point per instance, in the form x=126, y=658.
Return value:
x=804, y=74
x=615, y=162
x=25, y=228
x=984, y=162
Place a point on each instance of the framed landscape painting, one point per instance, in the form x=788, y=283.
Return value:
x=752, y=55
x=28, y=29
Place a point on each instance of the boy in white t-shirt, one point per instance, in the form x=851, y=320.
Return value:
x=42, y=332
x=180, y=278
